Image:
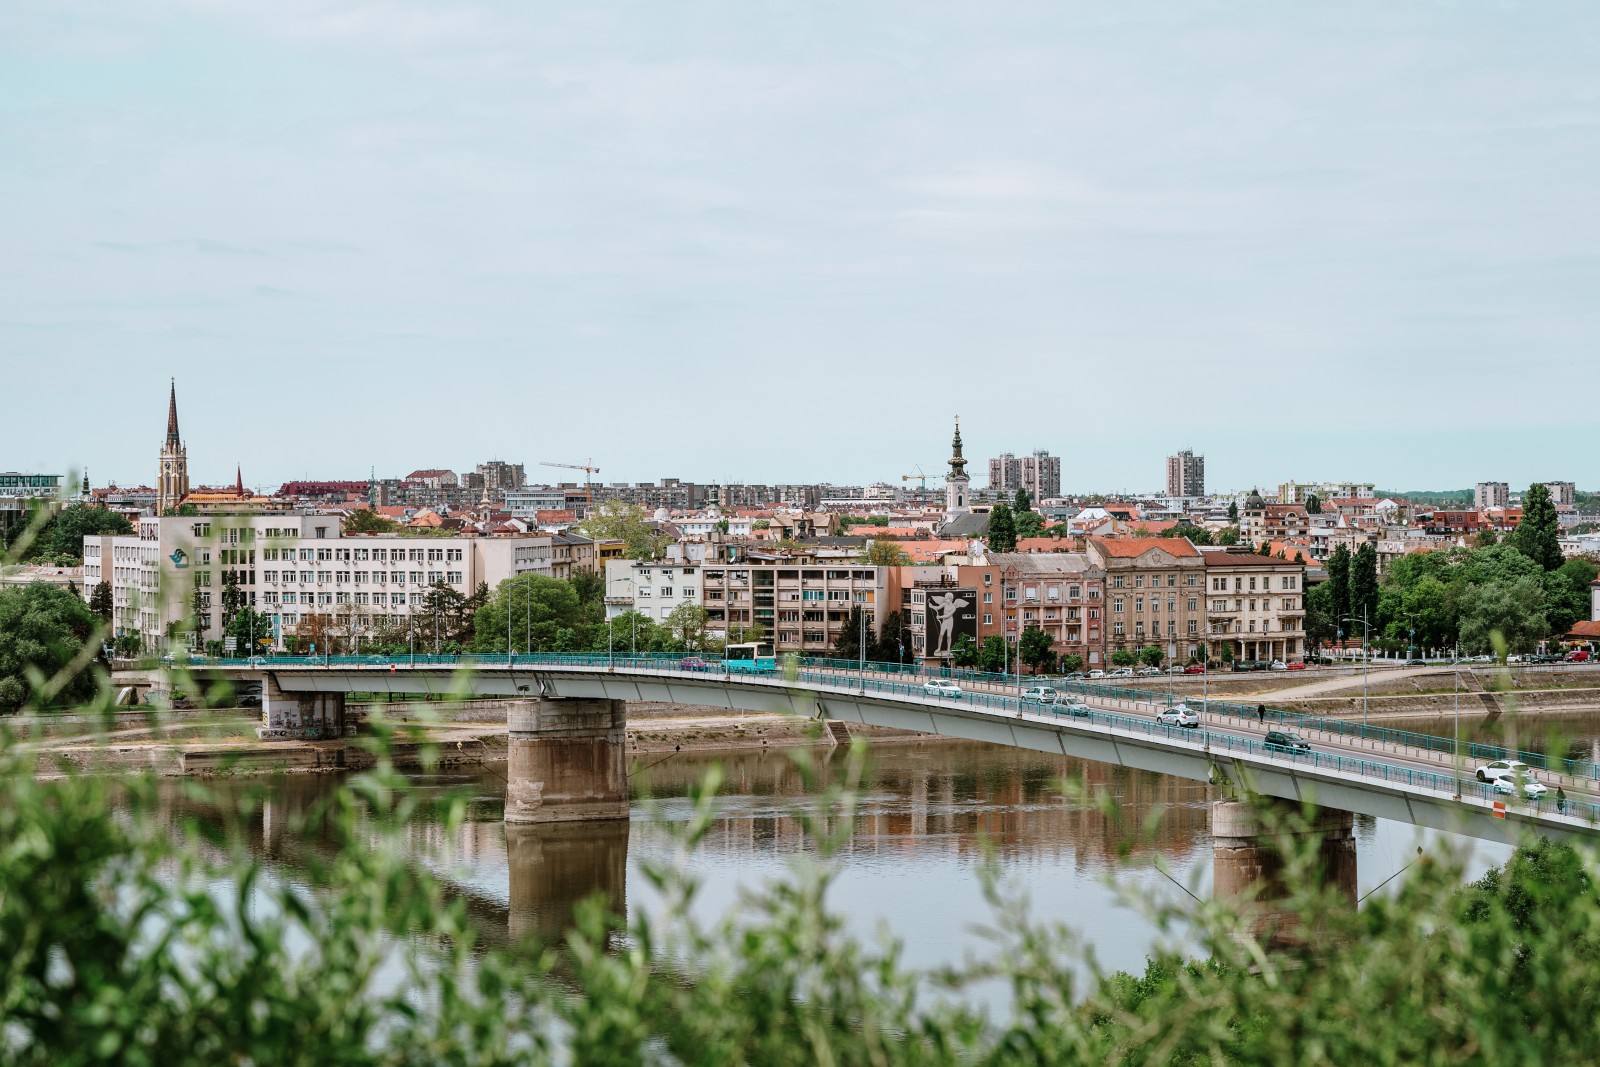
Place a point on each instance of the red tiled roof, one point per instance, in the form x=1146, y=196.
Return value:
x=1134, y=547
x=1585, y=631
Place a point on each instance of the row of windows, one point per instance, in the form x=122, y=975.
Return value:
x=1118, y=629
x=1289, y=604
x=1155, y=581
x=1287, y=581
x=364, y=555
x=1155, y=604
x=365, y=577
x=374, y=599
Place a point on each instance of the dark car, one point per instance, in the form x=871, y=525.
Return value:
x=1195, y=668
x=1286, y=741
x=693, y=663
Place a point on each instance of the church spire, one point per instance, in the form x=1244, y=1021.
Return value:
x=172, y=414
x=956, y=483
x=958, y=463
x=238, y=481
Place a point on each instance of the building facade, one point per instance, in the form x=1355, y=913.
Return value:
x=1154, y=588
x=1186, y=475
x=1060, y=593
x=1562, y=494
x=1491, y=495
x=1255, y=604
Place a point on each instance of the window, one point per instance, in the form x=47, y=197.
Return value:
x=988, y=579
x=1116, y=581
x=1138, y=603
x=324, y=555
x=666, y=590
x=988, y=598
x=1252, y=583
x=289, y=598
x=397, y=599
x=643, y=591
x=1138, y=581
x=1194, y=602
x=455, y=577
x=1116, y=606
x=269, y=576
x=1288, y=581
x=397, y=577
x=1192, y=580
x=1192, y=628
x=1116, y=629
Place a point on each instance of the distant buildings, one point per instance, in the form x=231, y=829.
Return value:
x=1186, y=475
x=1301, y=492
x=1491, y=495
x=172, y=484
x=1039, y=474
x=1562, y=494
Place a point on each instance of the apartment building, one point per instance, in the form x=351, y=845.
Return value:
x=1039, y=474
x=1491, y=495
x=1256, y=604
x=1153, y=593
x=802, y=608
x=1186, y=475
x=1563, y=494
x=289, y=566
x=1061, y=593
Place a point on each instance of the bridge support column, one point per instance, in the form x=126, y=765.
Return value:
x=554, y=867
x=1248, y=863
x=301, y=711
x=567, y=760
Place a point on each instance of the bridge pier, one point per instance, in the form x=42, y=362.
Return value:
x=567, y=760
x=1248, y=861
x=300, y=711
x=554, y=867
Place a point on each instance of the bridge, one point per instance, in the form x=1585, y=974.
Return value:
x=567, y=729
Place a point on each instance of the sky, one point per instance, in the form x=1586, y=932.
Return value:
x=773, y=240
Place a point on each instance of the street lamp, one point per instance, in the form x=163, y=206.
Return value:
x=1366, y=657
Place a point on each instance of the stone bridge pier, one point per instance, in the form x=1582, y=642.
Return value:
x=1248, y=861
x=300, y=711
x=567, y=760
x=556, y=866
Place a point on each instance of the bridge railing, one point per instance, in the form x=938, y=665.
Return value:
x=1481, y=751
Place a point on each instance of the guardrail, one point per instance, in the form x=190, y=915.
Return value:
x=1013, y=707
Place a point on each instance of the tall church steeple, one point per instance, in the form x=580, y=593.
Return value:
x=172, y=485
x=956, y=499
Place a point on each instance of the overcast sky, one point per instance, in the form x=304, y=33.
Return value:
x=775, y=241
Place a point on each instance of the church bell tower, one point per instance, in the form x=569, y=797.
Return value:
x=173, y=483
x=956, y=485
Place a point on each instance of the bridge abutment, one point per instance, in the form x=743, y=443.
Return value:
x=298, y=712
x=1248, y=864
x=566, y=760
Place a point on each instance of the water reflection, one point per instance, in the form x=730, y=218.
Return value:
x=552, y=868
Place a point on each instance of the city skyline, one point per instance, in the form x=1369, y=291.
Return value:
x=372, y=228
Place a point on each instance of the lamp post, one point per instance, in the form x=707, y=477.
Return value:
x=611, y=664
x=1366, y=658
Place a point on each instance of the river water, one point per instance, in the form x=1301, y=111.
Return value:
x=928, y=814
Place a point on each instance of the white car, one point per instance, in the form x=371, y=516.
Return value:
x=1148, y=672
x=1178, y=715
x=1502, y=768
x=1075, y=708
x=940, y=687
x=1530, y=789
x=1040, y=694
x=1097, y=674
x=1121, y=672
x=1278, y=665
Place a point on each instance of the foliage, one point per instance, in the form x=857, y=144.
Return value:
x=100, y=601
x=1566, y=593
x=1152, y=655
x=891, y=645
x=618, y=520
x=1233, y=512
x=1364, y=583
x=367, y=521
x=1538, y=532
x=543, y=614
x=246, y=626
x=1512, y=610
x=58, y=537
x=48, y=637
x=1468, y=595
x=1124, y=657
x=849, y=643
x=1227, y=536
x=1226, y=652
x=964, y=651
x=1197, y=535
x=1029, y=524
x=884, y=553
x=1002, y=529
x=1022, y=500
x=1313, y=505
x=1071, y=663
x=993, y=656
x=1339, y=588
x=687, y=623
x=1033, y=648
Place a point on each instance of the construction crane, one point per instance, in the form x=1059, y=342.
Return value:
x=920, y=476
x=588, y=468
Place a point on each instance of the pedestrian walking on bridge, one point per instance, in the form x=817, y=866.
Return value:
x=1261, y=714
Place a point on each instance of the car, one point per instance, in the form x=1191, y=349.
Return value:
x=1544, y=657
x=1148, y=672
x=1297, y=665
x=1416, y=661
x=1097, y=674
x=1578, y=655
x=1277, y=665
x=250, y=700
x=1502, y=768
x=942, y=687
x=1040, y=694
x=1075, y=707
x=1286, y=741
x=1121, y=672
x=693, y=663
x=1530, y=789
x=1073, y=676
x=1178, y=715
x=1515, y=657
x=1195, y=668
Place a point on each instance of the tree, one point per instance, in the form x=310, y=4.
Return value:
x=1072, y=663
x=100, y=601
x=60, y=537
x=1486, y=538
x=1022, y=501
x=1227, y=536
x=233, y=596
x=993, y=655
x=1124, y=657
x=1152, y=655
x=42, y=629
x=848, y=645
x=1033, y=648
x=1313, y=505
x=1002, y=529
x=1265, y=548
x=542, y=613
x=366, y=521
x=741, y=633
x=1320, y=616
x=1538, y=534
x=1513, y=611
x=890, y=645
x=688, y=624
x=1029, y=524
x=883, y=553
x=617, y=520
x=1233, y=512
x=1364, y=583
x=590, y=587
x=249, y=628
x=1226, y=653
x=964, y=651
x=1197, y=535
x=1339, y=587
x=1566, y=594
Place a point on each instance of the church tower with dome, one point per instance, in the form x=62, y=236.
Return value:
x=957, y=486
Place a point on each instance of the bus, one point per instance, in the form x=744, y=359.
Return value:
x=752, y=657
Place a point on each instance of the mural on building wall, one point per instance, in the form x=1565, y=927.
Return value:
x=950, y=613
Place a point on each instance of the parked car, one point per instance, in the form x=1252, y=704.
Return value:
x=1121, y=672
x=942, y=687
x=1578, y=655
x=1039, y=694
x=693, y=663
x=1149, y=672
x=1416, y=661
x=1286, y=741
x=1251, y=665
x=1178, y=715
x=1530, y=789
x=1076, y=708
x=1502, y=768
x=1097, y=674
x=1297, y=665
x=1277, y=665
x=1073, y=676
x=250, y=700
x=1544, y=657
x=1195, y=668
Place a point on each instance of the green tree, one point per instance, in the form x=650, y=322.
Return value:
x=617, y=520
x=367, y=521
x=1538, y=534
x=884, y=553
x=60, y=536
x=1002, y=529
x=1022, y=501
x=848, y=644
x=993, y=656
x=1233, y=512
x=1225, y=653
x=1124, y=657
x=543, y=614
x=1339, y=587
x=43, y=628
x=891, y=644
x=1486, y=538
x=964, y=651
x=1567, y=595
x=1313, y=505
x=100, y=601
x=1072, y=663
x=1364, y=582
x=1512, y=609
x=1321, y=625
x=251, y=631
x=1197, y=535
x=1029, y=524
x=688, y=624
x=1033, y=648
x=1152, y=655
x=1227, y=536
